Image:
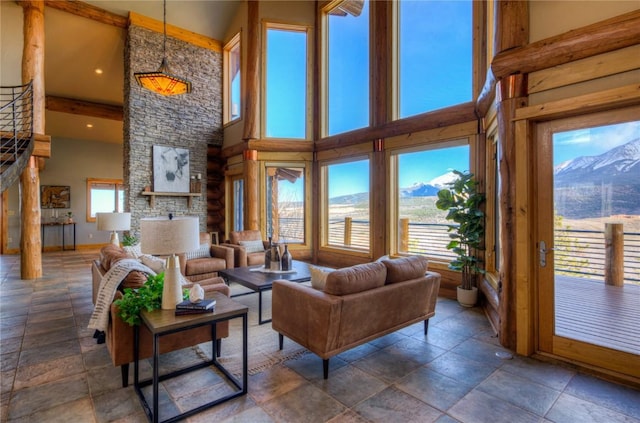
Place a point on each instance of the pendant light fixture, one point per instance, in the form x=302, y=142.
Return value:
x=162, y=81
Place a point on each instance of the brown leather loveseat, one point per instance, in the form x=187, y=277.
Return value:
x=358, y=304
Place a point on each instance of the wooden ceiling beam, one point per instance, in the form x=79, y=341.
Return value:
x=88, y=11
x=85, y=108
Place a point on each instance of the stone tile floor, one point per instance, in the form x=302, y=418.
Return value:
x=53, y=371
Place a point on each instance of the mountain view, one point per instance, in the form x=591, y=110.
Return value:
x=583, y=185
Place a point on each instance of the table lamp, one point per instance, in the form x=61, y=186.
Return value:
x=168, y=236
x=114, y=222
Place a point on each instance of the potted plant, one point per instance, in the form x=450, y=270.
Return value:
x=462, y=201
x=69, y=218
x=129, y=240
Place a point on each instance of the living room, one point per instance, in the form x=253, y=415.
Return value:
x=248, y=153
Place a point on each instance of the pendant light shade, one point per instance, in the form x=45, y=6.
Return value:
x=163, y=81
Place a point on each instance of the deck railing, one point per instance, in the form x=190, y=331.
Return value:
x=577, y=252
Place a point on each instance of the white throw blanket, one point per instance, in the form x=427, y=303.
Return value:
x=106, y=292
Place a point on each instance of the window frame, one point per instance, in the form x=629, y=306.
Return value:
x=306, y=197
x=324, y=68
x=492, y=218
x=477, y=14
x=324, y=206
x=118, y=185
x=393, y=204
x=227, y=108
x=307, y=30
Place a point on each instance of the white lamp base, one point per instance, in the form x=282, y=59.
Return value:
x=172, y=288
x=114, y=239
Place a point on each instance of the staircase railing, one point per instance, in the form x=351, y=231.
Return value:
x=16, y=132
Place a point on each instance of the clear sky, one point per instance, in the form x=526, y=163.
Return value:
x=592, y=141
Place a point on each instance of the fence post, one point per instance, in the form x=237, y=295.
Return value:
x=404, y=235
x=347, y=230
x=614, y=254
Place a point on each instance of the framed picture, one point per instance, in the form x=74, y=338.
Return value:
x=55, y=197
x=170, y=169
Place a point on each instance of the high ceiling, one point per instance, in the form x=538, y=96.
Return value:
x=76, y=46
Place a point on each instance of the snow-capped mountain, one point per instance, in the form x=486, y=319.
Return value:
x=429, y=189
x=587, y=184
x=621, y=159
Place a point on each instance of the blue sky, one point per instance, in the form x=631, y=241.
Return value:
x=592, y=141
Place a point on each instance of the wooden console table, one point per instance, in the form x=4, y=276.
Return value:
x=62, y=227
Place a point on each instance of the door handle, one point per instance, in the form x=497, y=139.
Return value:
x=543, y=250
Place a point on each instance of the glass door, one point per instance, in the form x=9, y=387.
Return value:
x=588, y=247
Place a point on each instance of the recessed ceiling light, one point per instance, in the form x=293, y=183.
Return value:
x=98, y=71
x=89, y=125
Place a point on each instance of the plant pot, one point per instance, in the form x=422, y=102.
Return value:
x=467, y=297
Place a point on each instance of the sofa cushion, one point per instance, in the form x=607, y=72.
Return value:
x=202, y=252
x=318, y=277
x=358, y=278
x=253, y=246
x=154, y=263
x=133, y=251
x=405, y=268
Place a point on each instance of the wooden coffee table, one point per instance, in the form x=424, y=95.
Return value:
x=262, y=281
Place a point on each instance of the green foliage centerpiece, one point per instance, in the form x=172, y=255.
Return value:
x=147, y=297
x=462, y=201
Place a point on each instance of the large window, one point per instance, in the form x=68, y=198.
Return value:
x=285, y=205
x=286, y=82
x=435, y=55
x=417, y=177
x=104, y=195
x=232, y=80
x=346, y=219
x=347, y=67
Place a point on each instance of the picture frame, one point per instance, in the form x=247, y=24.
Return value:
x=55, y=196
x=170, y=169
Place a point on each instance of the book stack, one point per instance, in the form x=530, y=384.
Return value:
x=202, y=306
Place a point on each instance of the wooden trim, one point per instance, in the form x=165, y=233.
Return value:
x=601, y=37
x=85, y=108
x=438, y=119
x=379, y=65
x=4, y=222
x=588, y=103
x=175, y=32
x=88, y=11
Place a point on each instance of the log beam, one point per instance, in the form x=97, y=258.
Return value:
x=88, y=11
x=32, y=70
x=601, y=37
x=251, y=191
x=85, y=108
x=252, y=78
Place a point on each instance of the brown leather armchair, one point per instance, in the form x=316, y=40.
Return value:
x=197, y=269
x=241, y=257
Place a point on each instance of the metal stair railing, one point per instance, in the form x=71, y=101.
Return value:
x=16, y=132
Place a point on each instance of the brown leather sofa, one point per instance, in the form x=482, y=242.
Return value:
x=358, y=304
x=119, y=335
x=241, y=257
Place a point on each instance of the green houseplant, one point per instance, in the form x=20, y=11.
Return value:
x=129, y=240
x=462, y=201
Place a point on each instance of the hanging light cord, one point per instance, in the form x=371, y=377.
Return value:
x=164, y=20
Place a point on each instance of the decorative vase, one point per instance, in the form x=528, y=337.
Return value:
x=275, y=257
x=467, y=297
x=267, y=256
x=286, y=258
x=171, y=288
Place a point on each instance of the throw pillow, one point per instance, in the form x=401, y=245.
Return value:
x=318, y=277
x=133, y=250
x=405, y=268
x=154, y=263
x=202, y=252
x=252, y=246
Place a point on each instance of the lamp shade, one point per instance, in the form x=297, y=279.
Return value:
x=113, y=221
x=162, y=236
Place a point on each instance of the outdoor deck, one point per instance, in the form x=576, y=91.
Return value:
x=590, y=311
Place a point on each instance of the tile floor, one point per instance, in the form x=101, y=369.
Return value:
x=53, y=371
